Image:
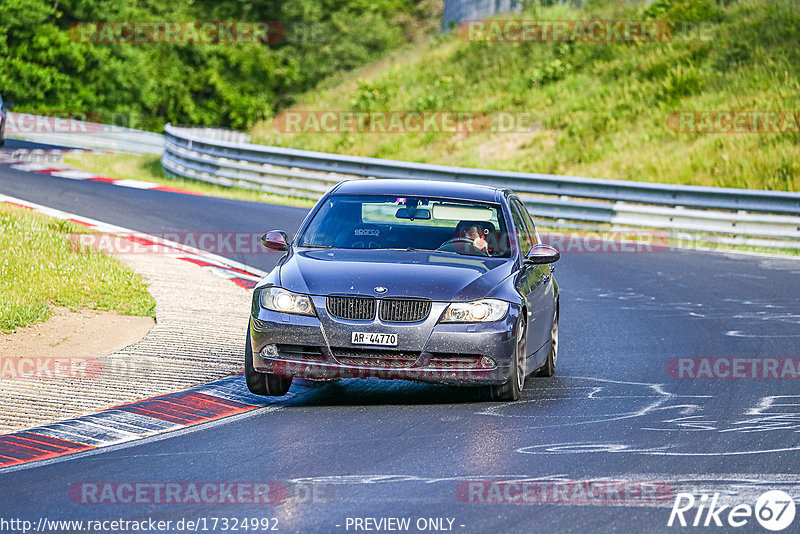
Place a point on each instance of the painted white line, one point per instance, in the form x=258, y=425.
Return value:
x=739, y=333
x=31, y=167
x=136, y=184
x=614, y=447
x=73, y=174
x=85, y=432
x=125, y=421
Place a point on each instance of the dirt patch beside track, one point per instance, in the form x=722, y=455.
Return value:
x=76, y=333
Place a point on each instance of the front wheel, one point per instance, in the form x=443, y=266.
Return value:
x=262, y=383
x=549, y=367
x=512, y=388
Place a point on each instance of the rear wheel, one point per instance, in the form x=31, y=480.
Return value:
x=512, y=388
x=262, y=383
x=549, y=367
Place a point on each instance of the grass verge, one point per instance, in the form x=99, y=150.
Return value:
x=147, y=167
x=41, y=267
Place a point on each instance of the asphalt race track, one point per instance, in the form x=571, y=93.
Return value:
x=396, y=449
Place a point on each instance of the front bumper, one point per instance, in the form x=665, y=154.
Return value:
x=319, y=348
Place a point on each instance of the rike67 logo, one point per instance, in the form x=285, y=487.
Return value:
x=774, y=510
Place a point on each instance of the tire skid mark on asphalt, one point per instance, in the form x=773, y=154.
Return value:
x=750, y=311
x=660, y=401
x=689, y=421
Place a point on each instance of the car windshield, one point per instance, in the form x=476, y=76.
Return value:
x=409, y=223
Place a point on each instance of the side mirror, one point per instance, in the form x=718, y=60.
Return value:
x=275, y=240
x=540, y=254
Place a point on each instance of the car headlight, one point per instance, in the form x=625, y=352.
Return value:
x=280, y=300
x=479, y=311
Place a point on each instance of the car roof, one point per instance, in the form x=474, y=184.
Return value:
x=432, y=188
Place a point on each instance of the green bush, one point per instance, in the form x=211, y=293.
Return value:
x=44, y=68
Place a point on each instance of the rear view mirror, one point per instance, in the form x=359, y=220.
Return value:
x=540, y=254
x=275, y=240
x=421, y=214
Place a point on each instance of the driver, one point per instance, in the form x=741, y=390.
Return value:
x=473, y=233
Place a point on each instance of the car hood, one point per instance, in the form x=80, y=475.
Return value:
x=437, y=276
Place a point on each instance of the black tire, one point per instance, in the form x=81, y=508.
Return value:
x=262, y=383
x=549, y=367
x=512, y=389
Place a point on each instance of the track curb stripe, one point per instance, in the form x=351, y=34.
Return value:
x=136, y=420
x=15, y=450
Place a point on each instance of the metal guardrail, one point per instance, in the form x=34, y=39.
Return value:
x=741, y=213
x=80, y=134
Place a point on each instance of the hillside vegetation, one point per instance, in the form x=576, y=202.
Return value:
x=46, y=68
x=600, y=109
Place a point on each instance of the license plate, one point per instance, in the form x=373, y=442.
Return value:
x=366, y=338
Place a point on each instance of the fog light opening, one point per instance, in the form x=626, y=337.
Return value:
x=488, y=363
x=270, y=351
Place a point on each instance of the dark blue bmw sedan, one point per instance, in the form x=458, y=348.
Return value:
x=407, y=279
